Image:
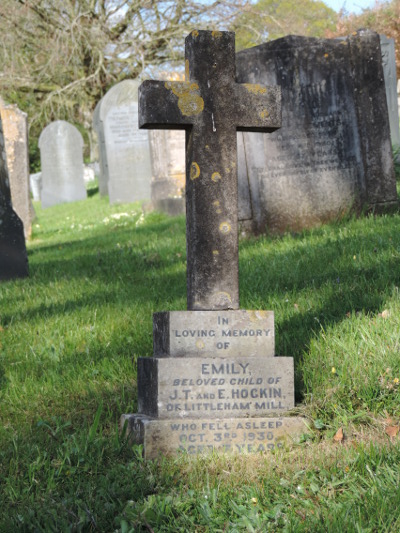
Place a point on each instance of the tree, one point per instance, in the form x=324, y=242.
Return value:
x=271, y=19
x=58, y=57
x=384, y=18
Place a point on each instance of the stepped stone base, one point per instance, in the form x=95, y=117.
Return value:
x=201, y=435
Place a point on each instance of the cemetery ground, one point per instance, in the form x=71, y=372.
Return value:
x=70, y=336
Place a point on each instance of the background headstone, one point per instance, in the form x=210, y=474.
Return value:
x=13, y=257
x=35, y=181
x=15, y=128
x=103, y=170
x=61, y=159
x=333, y=152
x=390, y=75
x=127, y=148
x=167, y=148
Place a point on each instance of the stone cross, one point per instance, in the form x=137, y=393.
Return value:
x=211, y=107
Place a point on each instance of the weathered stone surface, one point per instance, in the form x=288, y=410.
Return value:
x=333, y=153
x=15, y=127
x=211, y=107
x=213, y=387
x=13, y=257
x=61, y=158
x=390, y=75
x=207, y=333
x=167, y=148
x=127, y=159
x=98, y=127
x=193, y=435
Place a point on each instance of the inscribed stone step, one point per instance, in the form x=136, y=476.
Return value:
x=214, y=333
x=237, y=435
x=215, y=387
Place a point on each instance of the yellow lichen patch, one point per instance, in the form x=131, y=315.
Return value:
x=216, y=176
x=194, y=171
x=195, y=33
x=255, y=88
x=187, y=75
x=215, y=252
x=264, y=114
x=216, y=34
x=326, y=55
x=225, y=227
x=223, y=298
x=189, y=100
x=199, y=344
x=217, y=206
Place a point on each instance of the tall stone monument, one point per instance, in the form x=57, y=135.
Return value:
x=126, y=161
x=333, y=153
x=13, y=258
x=15, y=127
x=224, y=388
x=61, y=156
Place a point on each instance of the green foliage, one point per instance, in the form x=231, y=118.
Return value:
x=383, y=18
x=70, y=336
x=267, y=20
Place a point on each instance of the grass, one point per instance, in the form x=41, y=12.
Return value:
x=70, y=336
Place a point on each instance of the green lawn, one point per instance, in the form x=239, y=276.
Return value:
x=70, y=335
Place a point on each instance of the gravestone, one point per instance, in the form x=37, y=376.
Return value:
x=61, y=158
x=214, y=381
x=127, y=148
x=390, y=76
x=15, y=128
x=167, y=148
x=103, y=171
x=35, y=182
x=13, y=257
x=333, y=153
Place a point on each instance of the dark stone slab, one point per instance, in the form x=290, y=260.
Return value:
x=332, y=154
x=13, y=257
x=207, y=333
x=193, y=435
x=211, y=107
x=215, y=387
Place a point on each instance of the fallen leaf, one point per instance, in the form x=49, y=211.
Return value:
x=388, y=421
x=385, y=314
x=392, y=431
x=339, y=435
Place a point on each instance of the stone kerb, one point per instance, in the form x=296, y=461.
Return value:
x=61, y=156
x=127, y=148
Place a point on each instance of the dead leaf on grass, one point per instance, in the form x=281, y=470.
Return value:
x=392, y=431
x=339, y=435
x=385, y=313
